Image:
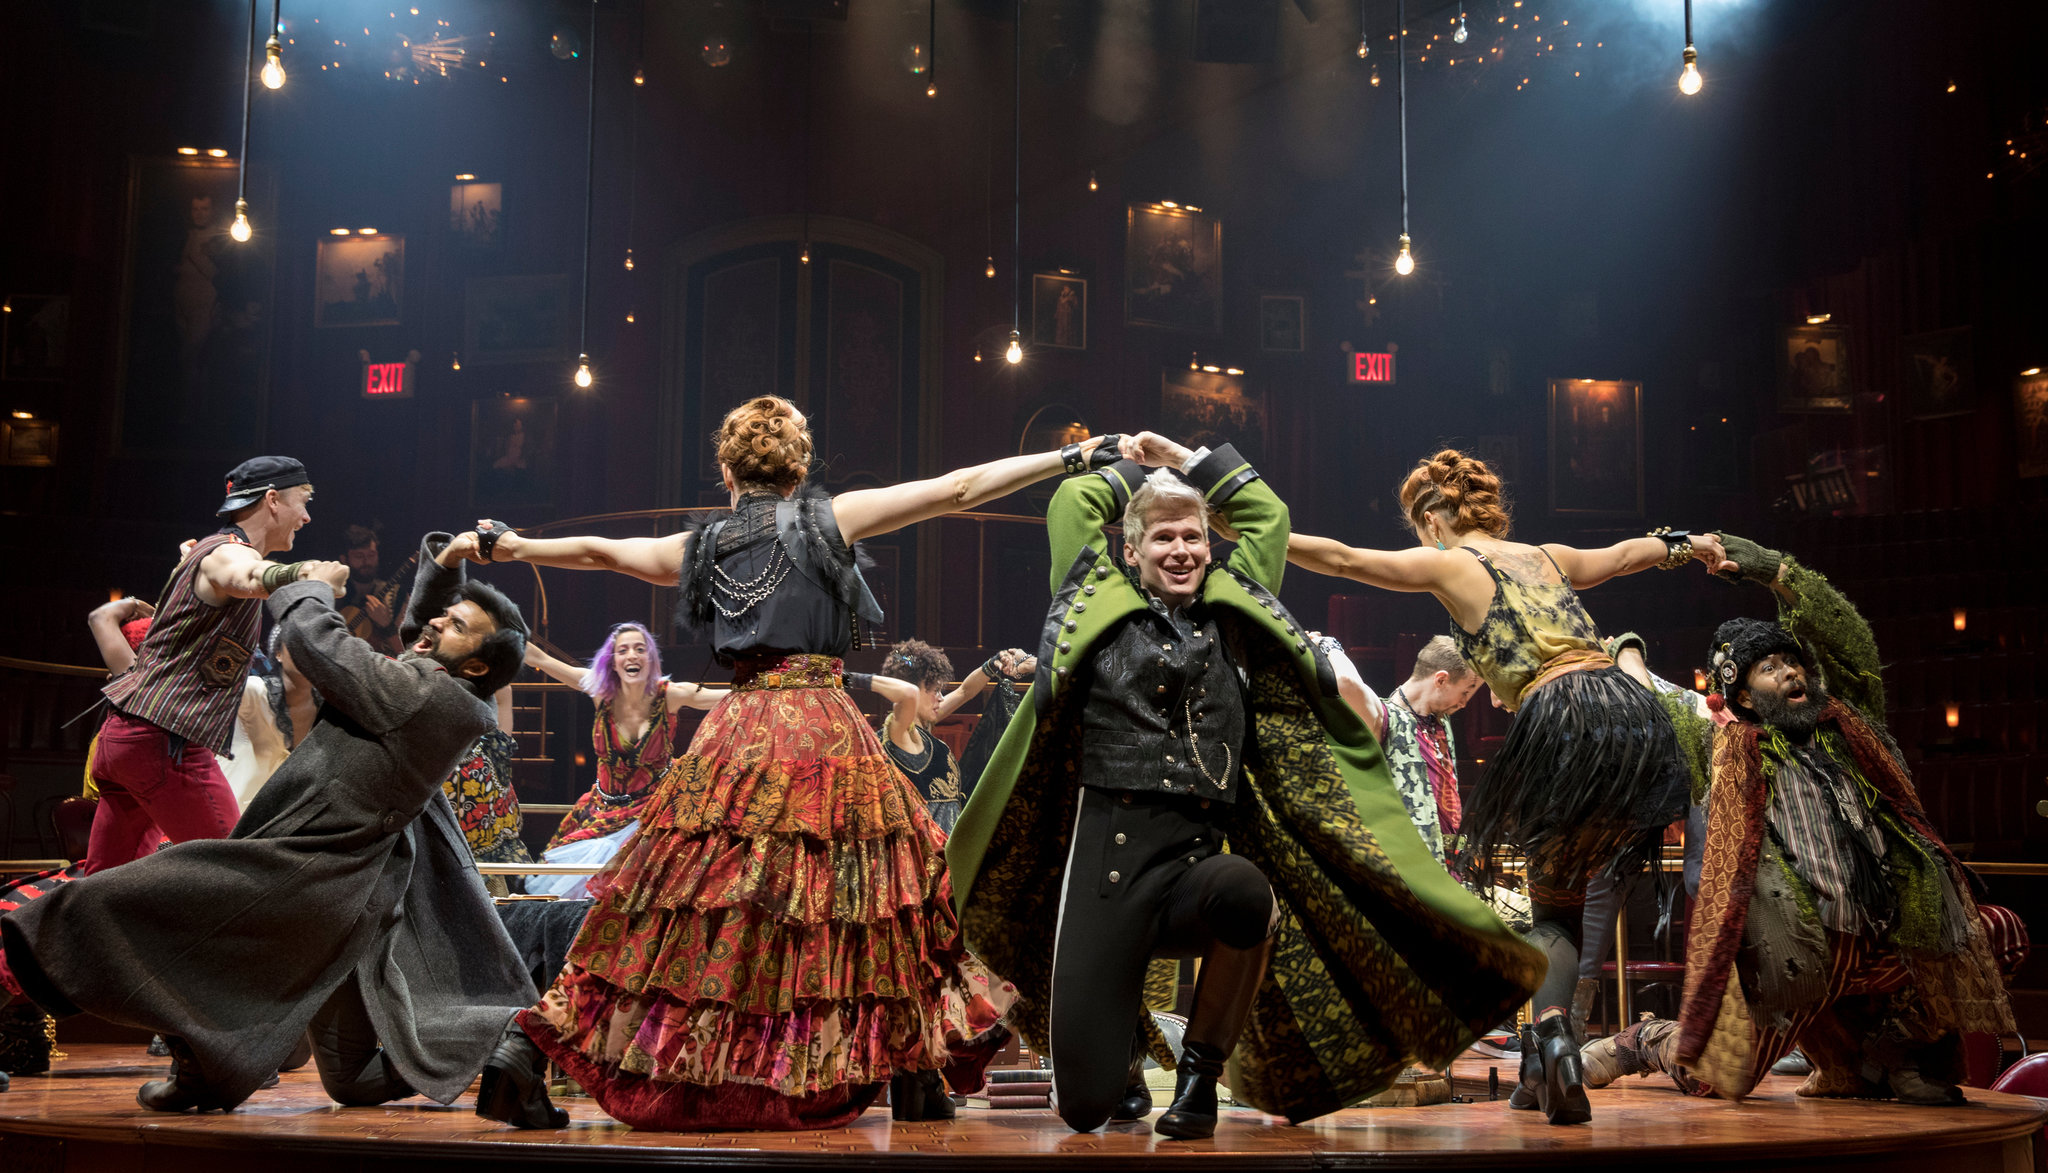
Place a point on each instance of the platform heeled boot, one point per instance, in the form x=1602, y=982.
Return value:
x=1528, y=1093
x=184, y=1090
x=1563, y=1091
x=1223, y=999
x=515, y=1087
x=1137, y=1101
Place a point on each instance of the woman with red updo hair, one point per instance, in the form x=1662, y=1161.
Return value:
x=779, y=940
x=1590, y=772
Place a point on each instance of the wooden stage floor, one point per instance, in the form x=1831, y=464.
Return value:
x=83, y=1116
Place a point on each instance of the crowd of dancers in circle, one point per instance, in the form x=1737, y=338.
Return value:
x=794, y=913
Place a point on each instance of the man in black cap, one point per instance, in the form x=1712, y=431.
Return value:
x=1830, y=915
x=175, y=709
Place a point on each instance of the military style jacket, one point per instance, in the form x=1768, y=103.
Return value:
x=1380, y=957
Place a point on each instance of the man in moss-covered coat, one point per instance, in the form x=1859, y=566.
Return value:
x=1176, y=710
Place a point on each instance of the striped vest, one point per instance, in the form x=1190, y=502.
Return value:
x=189, y=672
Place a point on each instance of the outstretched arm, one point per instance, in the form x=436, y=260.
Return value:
x=864, y=513
x=1590, y=568
x=1819, y=617
x=655, y=560
x=572, y=675
x=1413, y=570
x=682, y=695
x=235, y=571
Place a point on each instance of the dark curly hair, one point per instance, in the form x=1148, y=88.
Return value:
x=766, y=443
x=918, y=662
x=1458, y=488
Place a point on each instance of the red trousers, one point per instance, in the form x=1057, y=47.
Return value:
x=143, y=788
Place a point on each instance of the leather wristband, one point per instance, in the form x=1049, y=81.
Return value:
x=1677, y=546
x=278, y=575
x=858, y=679
x=990, y=671
x=487, y=539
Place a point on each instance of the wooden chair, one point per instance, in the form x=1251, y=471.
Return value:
x=72, y=820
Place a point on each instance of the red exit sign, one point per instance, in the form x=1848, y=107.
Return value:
x=387, y=380
x=1372, y=366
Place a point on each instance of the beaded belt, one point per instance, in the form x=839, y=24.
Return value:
x=788, y=672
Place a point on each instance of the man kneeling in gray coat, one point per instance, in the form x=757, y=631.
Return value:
x=345, y=902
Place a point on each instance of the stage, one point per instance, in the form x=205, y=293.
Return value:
x=83, y=1116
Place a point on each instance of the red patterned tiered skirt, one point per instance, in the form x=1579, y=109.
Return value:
x=779, y=938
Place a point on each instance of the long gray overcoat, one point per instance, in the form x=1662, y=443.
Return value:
x=349, y=864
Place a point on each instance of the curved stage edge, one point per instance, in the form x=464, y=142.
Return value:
x=82, y=1117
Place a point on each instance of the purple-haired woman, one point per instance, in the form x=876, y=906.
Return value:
x=635, y=732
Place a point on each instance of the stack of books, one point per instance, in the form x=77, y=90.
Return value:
x=1018, y=1087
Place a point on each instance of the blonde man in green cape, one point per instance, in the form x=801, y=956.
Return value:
x=1177, y=710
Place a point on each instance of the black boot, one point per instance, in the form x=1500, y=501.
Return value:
x=1528, y=1093
x=919, y=1095
x=1192, y=1115
x=183, y=1091
x=515, y=1086
x=1563, y=1091
x=1137, y=1101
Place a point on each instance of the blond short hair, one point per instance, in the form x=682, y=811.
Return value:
x=1439, y=655
x=1162, y=495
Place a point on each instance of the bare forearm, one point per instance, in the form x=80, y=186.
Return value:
x=865, y=513
x=971, y=686
x=655, y=560
x=113, y=646
x=1322, y=555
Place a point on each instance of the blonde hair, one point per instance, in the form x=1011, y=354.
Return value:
x=1459, y=488
x=1162, y=493
x=766, y=443
x=1439, y=655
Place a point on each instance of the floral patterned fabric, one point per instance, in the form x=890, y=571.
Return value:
x=627, y=772
x=777, y=939
x=480, y=791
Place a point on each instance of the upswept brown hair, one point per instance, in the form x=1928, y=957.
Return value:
x=1439, y=655
x=918, y=662
x=1459, y=488
x=766, y=443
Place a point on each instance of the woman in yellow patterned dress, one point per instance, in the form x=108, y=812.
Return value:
x=1589, y=773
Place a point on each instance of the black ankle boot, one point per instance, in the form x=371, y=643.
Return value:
x=1563, y=1091
x=515, y=1086
x=1137, y=1101
x=183, y=1091
x=1192, y=1115
x=919, y=1095
x=1528, y=1093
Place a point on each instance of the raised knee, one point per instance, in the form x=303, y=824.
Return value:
x=1241, y=912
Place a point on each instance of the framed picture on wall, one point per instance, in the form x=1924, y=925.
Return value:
x=33, y=331
x=1281, y=318
x=518, y=319
x=2030, y=420
x=196, y=311
x=1813, y=369
x=359, y=281
x=1596, y=447
x=1059, y=310
x=1938, y=377
x=476, y=212
x=1202, y=408
x=1173, y=268
x=29, y=442
x=512, y=453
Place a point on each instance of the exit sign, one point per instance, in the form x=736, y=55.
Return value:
x=1372, y=366
x=387, y=380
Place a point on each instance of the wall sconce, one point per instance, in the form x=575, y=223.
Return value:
x=1954, y=716
x=1962, y=619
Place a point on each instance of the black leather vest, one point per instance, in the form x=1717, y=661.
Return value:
x=1165, y=709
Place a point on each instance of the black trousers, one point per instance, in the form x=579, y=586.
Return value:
x=1145, y=878
x=352, y=1066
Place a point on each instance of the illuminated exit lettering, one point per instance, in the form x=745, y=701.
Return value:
x=1372, y=367
x=387, y=380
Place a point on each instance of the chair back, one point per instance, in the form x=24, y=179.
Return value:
x=72, y=820
x=2028, y=1077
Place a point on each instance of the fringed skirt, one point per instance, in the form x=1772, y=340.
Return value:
x=779, y=938
x=1587, y=779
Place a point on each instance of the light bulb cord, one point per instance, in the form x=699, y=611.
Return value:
x=1017, y=175
x=931, y=44
x=589, y=185
x=248, y=90
x=1688, y=23
x=1401, y=102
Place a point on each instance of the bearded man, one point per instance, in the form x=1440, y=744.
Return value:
x=1175, y=709
x=1830, y=915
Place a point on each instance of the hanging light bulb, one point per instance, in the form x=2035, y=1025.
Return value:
x=1015, y=353
x=1194, y=360
x=804, y=257
x=1689, y=81
x=273, y=63
x=977, y=354
x=629, y=260
x=931, y=89
x=990, y=271
x=583, y=377
x=1460, y=36
x=1375, y=75
x=1364, y=49
x=455, y=360
x=1092, y=184
x=629, y=317
x=639, y=76
x=241, y=230
x=1405, y=263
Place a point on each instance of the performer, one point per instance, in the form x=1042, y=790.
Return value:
x=1412, y=726
x=1175, y=709
x=634, y=734
x=345, y=902
x=486, y=807
x=1830, y=914
x=912, y=674
x=1589, y=772
x=175, y=709
x=779, y=937
x=369, y=606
